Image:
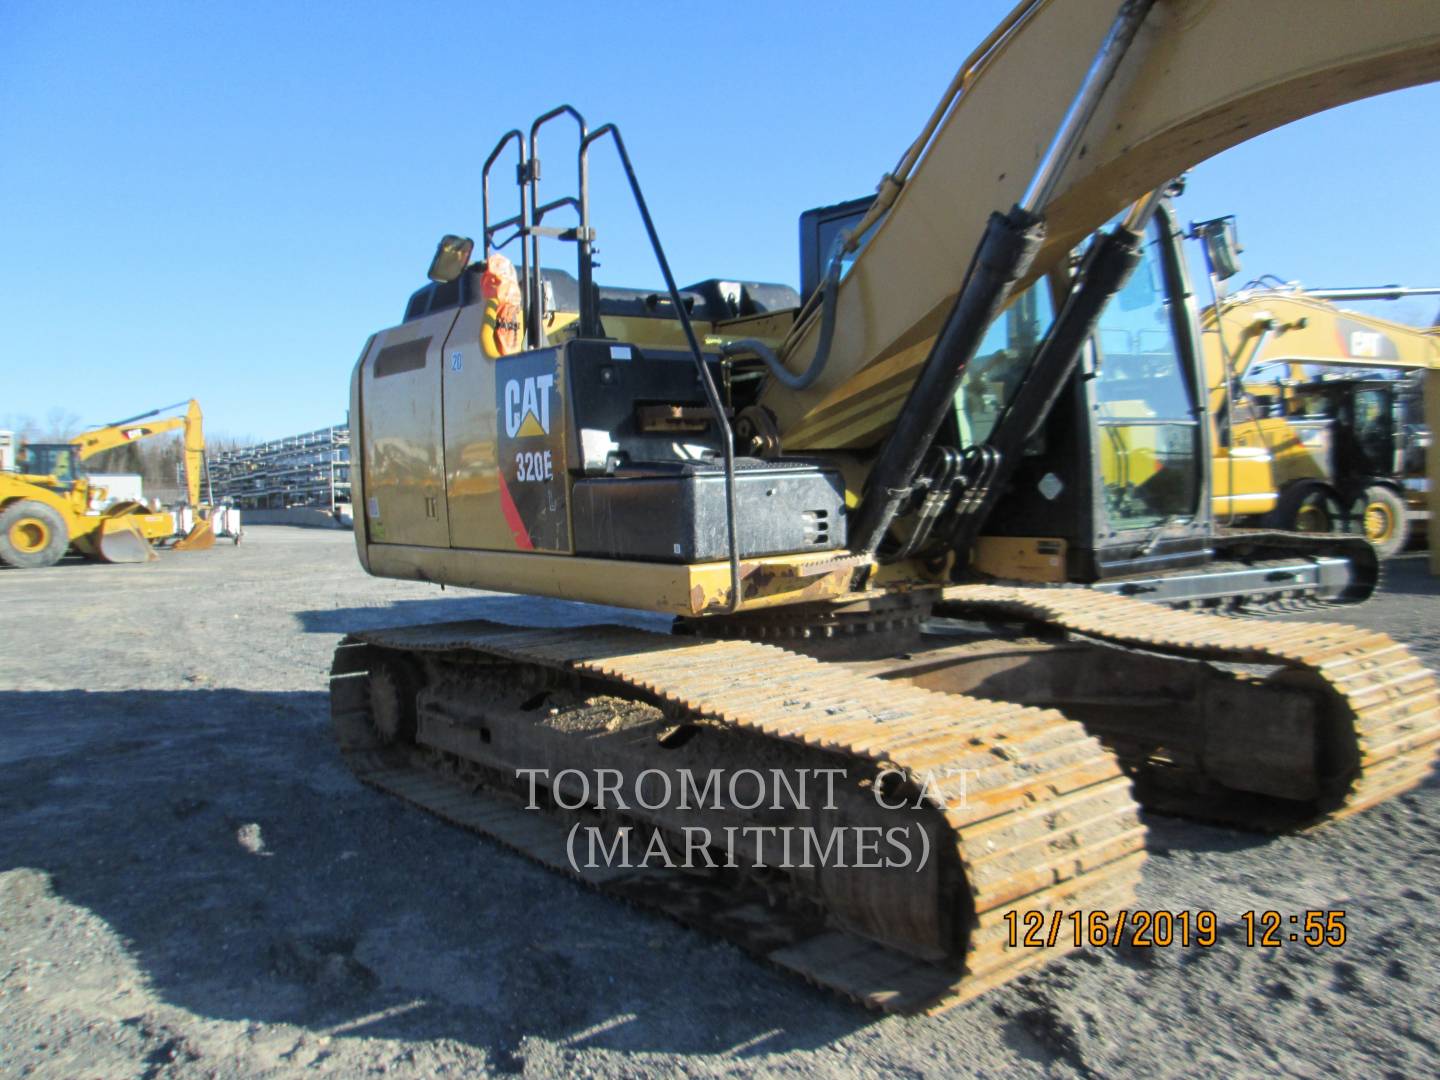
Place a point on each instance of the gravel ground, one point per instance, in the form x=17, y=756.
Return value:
x=191, y=884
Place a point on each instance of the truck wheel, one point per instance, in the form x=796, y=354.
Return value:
x=1383, y=517
x=32, y=535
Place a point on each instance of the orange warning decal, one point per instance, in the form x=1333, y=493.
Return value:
x=501, y=334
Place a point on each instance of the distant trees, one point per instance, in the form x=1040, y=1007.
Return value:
x=60, y=425
x=148, y=458
x=160, y=461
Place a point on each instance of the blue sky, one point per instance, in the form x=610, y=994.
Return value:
x=225, y=200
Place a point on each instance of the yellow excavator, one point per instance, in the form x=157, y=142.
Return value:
x=1301, y=448
x=927, y=530
x=49, y=505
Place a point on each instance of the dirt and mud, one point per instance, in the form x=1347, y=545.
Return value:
x=192, y=884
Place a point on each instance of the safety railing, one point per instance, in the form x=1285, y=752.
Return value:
x=529, y=230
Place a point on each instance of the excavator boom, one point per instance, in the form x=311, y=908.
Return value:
x=1199, y=78
x=1297, y=327
x=147, y=425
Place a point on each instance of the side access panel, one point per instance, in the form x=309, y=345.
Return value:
x=472, y=481
x=504, y=445
x=403, y=434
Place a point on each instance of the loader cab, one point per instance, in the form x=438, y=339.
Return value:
x=49, y=459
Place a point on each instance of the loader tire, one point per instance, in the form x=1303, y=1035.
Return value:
x=32, y=535
x=1383, y=516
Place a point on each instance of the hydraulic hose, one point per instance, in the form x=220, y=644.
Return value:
x=830, y=289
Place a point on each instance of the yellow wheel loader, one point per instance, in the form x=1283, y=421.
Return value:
x=926, y=532
x=49, y=506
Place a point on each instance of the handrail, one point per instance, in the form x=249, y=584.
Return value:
x=488, y=230
x=553, y=204
x=520, y=221
x=533, y=315
x=707, y=382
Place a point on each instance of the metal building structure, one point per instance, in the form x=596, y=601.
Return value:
x=312, y=469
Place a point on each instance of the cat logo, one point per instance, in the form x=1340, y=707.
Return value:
x=1366, y=343
x=527, y=406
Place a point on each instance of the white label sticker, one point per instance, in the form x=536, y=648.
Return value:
x=373, y=505
x=619, y=352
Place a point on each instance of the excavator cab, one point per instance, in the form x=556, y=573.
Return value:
x=1112, y=482
x=1110, y=487
x=819, y=229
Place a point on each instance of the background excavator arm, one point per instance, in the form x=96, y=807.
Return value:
x=147, y=425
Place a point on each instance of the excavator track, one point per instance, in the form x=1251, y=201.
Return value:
x=1386, y=701
x=1029, y=812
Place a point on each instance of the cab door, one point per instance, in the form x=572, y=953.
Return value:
x=1372, y=427
x=1141, y=387
x=404, y=435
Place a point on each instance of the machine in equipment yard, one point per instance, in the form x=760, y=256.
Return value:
x=48, y=504
x=1319, y=423
x=923, y=531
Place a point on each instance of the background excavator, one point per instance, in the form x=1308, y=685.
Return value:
x=48, y=505
x=927, y=527
x=1319, y=422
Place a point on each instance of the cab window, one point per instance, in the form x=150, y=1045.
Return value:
x=1149, y=435
x=1001, y=362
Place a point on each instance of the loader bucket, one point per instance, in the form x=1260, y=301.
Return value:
x=119, y=541
x=199, y=538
